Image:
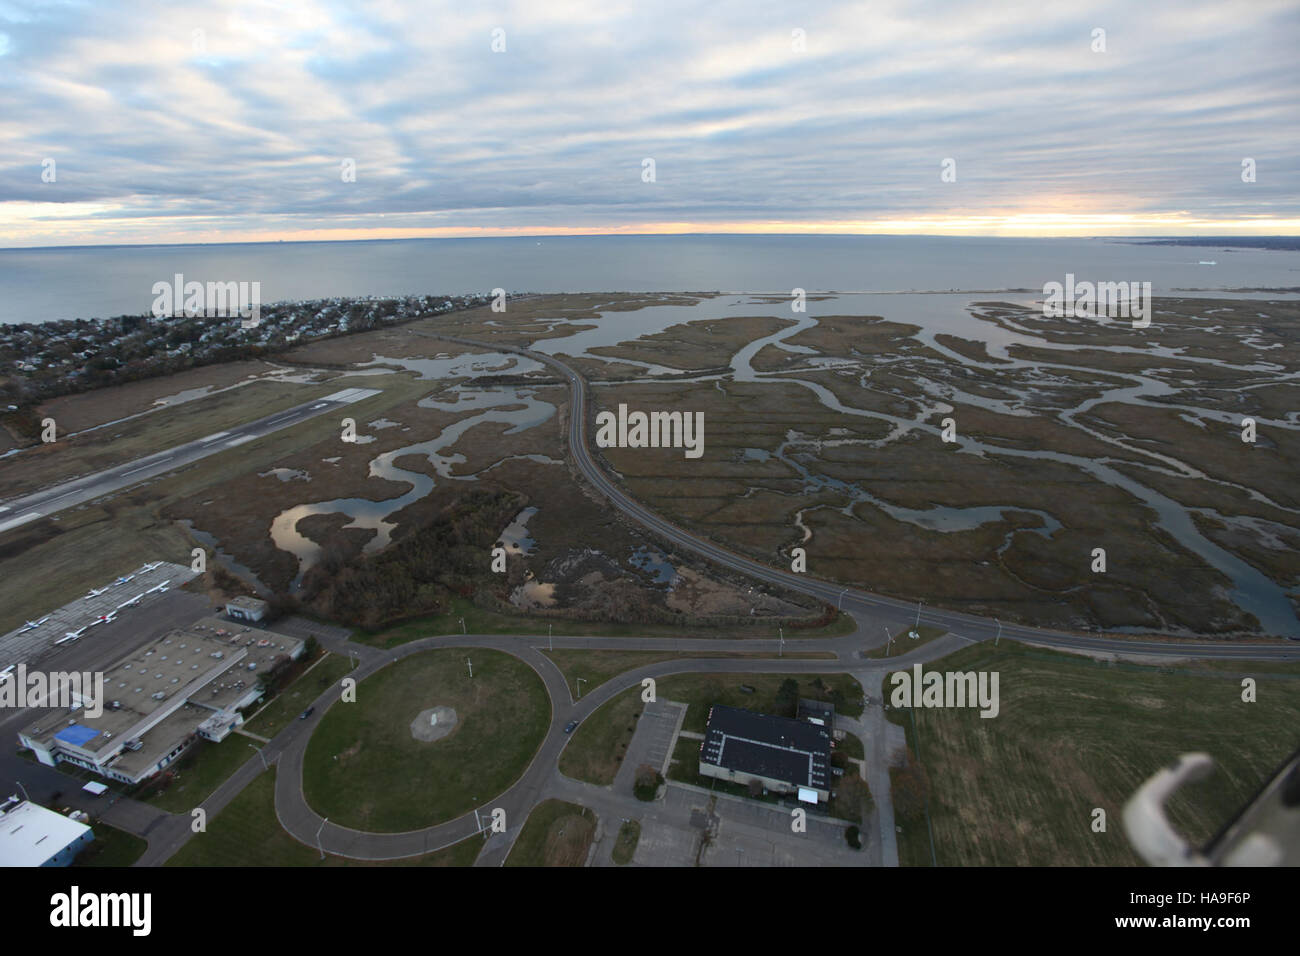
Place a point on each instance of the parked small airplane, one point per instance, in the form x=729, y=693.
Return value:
x=77, y=633
x=134, y=602
x=96, y=592
x=32, y=625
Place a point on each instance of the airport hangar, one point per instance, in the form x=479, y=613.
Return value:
x=186, y=684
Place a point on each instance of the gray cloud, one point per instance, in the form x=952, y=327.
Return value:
x=159, y=130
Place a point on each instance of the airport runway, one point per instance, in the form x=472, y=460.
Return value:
x=20, y=511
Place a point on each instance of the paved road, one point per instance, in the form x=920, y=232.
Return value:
x=865, y=606
x=873, y=613
x=19, y=511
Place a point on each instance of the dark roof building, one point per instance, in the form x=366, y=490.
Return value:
x=784, y=755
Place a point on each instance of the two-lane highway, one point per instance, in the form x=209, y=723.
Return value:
x=865, y=606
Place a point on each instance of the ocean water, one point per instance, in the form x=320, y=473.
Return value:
x=38, y=285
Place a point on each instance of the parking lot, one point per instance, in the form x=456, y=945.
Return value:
x=690, y=825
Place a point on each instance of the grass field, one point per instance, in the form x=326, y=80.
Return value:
x=111, y=847
x=205, y=767
x=596, y=667
x=480, y=621
x=1074, y=734
x=293, y=700
x=556, y=834
x=363, y=768
x=629, y=834
x=596, y=749
x=247, y=833
x=701, y=691
x=902, y=643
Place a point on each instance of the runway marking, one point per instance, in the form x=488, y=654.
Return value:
x=149, y=465
x=21, y=519
x=240, y=440
x=204, y=441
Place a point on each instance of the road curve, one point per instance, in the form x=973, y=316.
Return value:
x=864, y=606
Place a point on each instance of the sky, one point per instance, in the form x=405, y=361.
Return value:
x=170, y=122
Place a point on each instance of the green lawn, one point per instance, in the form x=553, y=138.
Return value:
x=556, y=834
x=701, y=691
x=629, y=834
x=285, y=707
x=111, y=847
x=247, y=833
x=200, y=771
x=850, y=746
x=363, y=769
x=1074, y=734
x=596, y=749
x=902, y=643
x=596, y=667
x=480, y=621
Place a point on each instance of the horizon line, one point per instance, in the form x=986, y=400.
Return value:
x=1122, y=237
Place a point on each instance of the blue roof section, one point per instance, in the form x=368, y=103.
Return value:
x=76, y=734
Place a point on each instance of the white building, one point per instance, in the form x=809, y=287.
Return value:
x=31, y=835
x=190, y=683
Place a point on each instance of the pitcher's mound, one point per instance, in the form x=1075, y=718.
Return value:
x=433, y=724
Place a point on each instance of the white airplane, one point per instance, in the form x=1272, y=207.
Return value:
x=150, y=567
x=96, y=592
x=105, y=618
x=77, y=633
x=131, y=603
x=159, y=587
x=123, y=580
x=32, y=625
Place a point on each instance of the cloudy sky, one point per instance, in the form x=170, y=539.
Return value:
x=178, y=121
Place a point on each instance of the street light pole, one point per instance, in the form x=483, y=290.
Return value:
x=780, y=651
x=470, y=664
x=318, y=843
x=918, y=614
x=580, y=681
x=889, y=641
x=265, y=765
x=462, y=626
x=839, y=601
x=999, y=634
x=550, y=637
